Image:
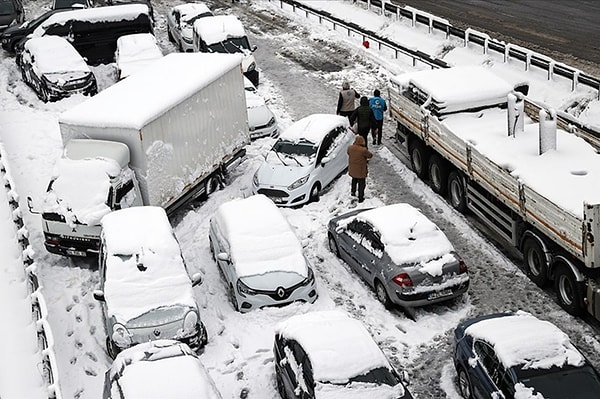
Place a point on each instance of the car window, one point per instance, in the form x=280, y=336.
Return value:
x=305, y=379
x=488, y=360
x=372, y=242
x=356, y=230
x=124, y=195
x=326, y=145
x=506, y=383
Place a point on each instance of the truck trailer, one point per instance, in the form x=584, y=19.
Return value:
x=164, y=136
x=511, y=163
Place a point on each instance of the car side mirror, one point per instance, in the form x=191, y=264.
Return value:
x=99, y=295
x=325, y=160
x=223, y=256
x=196, y=279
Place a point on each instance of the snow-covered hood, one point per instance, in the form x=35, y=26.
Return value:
x=358, y=390
x=62, y=78
x=258, y=115
x=272, y=174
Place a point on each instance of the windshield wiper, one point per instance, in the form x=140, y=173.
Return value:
x=276, y=153
x=294, y=158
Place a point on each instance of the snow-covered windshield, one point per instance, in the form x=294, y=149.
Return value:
x=295, y=153
x=231, y=45
x=580, y=383
x=380, y=375
x=189, y=22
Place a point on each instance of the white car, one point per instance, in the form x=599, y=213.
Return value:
x=305, y=159
x=261, y=120
x=180, y=24
x=135, y=52
x=259, y=255
x=158, y=369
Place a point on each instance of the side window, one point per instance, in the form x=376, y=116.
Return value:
x=373, y=240
x=488, y=359
x=506, y=383
x=305, y=380
x=325, y=146
x=356, y=230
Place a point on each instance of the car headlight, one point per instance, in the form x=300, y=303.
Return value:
x=298, y=183
x=121, y=336
x=244, y=289
x=251, y=67
x=310, y=278
x=190, y=323
x=255, y=179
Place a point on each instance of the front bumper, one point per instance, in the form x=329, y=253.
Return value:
x=302, y=293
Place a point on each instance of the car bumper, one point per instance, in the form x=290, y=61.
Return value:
x=305, y=293
x=430, y=297
x=281, y=196
x=71, y=246
x=270, y=131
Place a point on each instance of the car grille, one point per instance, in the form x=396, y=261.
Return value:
x=273, y=193
x=79, y=242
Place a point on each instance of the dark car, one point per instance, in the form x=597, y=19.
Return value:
x=400, y=253
x=11, y=13
x=54, y=69
x=328, y=354
x=510, y=355
x=13, y=35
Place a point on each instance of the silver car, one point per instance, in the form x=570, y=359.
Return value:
x=180, y=24
x=259, y=255
x=400, y=253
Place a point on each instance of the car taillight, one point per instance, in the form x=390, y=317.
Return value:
x=462, y=266
x=403, y=280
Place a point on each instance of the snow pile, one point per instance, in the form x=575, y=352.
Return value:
x=260, y=238
x=54, y=54
x=219, y=28
x=513, y=336
x=523, y=392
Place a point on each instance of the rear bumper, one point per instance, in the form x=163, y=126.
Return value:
x=433, y=296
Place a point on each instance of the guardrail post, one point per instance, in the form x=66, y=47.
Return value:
x=575, y=80
x=550, y=69
x=414, y=19
x=486, y=43
x=527, y=61
x=398, y=16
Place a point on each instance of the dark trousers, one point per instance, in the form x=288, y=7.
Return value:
x=360, y=184
x=365, y=135
x=346, y=114
x=377, y=131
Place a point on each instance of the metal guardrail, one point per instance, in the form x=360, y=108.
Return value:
x=39, y=309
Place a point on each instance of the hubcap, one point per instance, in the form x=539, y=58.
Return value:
x=534, y=262
x=565, y=289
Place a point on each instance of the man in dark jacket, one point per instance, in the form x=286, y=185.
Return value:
x=364, y=117
x=358, y=156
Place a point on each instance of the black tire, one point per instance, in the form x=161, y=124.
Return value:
x=333, y=245
x=535, y=262
x=418, y=158
x=232, y=299
x=568, y=291
x=382, y=295
x=211, y=185
x=457, y=193
x=170, y=35
x=280, y=387
x=315, y=193
x=111, y=348
x=465, y=388
x=438, y=174
x=202, y=335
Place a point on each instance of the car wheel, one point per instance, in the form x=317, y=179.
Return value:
x=202, y=335
x=464, y=384
x=456, y=191
x=382, y=294
x=535, y=262
x=568, y=290
x=211, y=185
x=333, y=245
x=171, y=38
x=212, y=249
x=280, y=387
x=111, y=348
x=315, y=193
x=233, y=299
x=438, y=174
x=418, y=159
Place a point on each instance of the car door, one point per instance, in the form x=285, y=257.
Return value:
x=371, y=253
x=287, y=366
x=349, y=240
x=487, y=373
x=326, y=171
x=221, y=245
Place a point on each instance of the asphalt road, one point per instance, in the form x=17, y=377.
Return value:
x=566, y=30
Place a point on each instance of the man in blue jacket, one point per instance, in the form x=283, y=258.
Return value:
x=378, y=105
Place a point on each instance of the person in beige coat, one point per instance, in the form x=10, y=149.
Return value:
x=358, y=156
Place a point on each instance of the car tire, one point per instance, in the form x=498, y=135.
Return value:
x=211, y=185
x=233, y=299
x=333, y=245
x=465, y=389
x=535, y=262
x=418, y=158
x=382, y=295
x=202, y=335
x=457, y=194
x=170, y=35
x=315, y=193
x=438, y=174
x=111, y=348
x=568, y=290
x=280, y=386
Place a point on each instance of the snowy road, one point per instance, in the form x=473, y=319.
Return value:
x=302, y=69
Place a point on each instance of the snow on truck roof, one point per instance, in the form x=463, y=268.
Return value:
x=261, y=239
x=313, y=128
x=219, y=28
x=144, y=96
x=524, y=340
x=55, y=54
x=144, y=267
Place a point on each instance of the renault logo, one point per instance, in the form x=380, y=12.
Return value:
x=280, y=292
x=157, y=333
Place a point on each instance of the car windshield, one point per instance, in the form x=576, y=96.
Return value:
x=379, y=376
x=189, y=21
x=579, y=383
x=232, y=45
x=297, y=153
x=6, y=7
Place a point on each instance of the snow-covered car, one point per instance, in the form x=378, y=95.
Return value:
x=145, y=290
x=261, y=120
x=54, y=69
x=305, y=159
x=60, y=4
x=329, y=355
x=11, y=13
x=226, y=34
x=158, y=369
x=180, y=24
x=516, y=355
x=135, y=52
x=259, y=255
x=400, y=253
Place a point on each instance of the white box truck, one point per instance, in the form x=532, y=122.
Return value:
x=183, y=121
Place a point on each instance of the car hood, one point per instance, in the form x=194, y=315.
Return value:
x=270, y=174
x=60, y=78
x=6, y=19
x=160, y=316
x=18, y=30
x=360, y=390
x=272, y=280
x=259, y=116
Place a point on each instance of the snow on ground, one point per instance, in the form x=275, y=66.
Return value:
x=302, y=66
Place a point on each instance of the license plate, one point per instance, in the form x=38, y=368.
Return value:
x=439, y=294
x=72, y=252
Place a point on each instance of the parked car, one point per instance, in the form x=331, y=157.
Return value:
x=180, y=24
x=135, y=52
x=59, y=4
x=516, y=355
x=259, y=255
x=145, y=290
x=305, y=159
x=400, y=253
x=54, y=69
x=11, y=13
x=261, y=120
x=14, y=34
x=158, y=369
x=330, y=355
x=225, y=34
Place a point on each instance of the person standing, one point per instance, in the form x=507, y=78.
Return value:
x=358, y=156
x=364, y=118
x=378, y=106
x=347, y=100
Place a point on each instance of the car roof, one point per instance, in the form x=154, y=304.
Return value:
x=338, y=346
x=54, y=54
x=188, y=10
x=313, y=128
x=260, y=238
x=219, y=28
x=521, y=339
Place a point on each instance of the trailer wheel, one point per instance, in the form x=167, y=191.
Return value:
x=535, y=262
x=456, y=191
x=438, y=174
x=568, y=291
x=418, y=158
x=211, y=185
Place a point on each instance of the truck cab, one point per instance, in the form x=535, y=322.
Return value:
x=91, y=179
